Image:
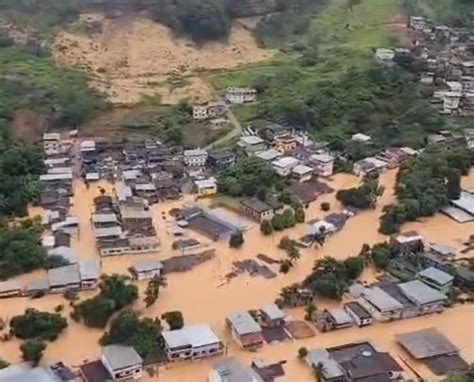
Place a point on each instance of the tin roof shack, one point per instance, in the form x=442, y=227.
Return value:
x=324, y=164
x=122, y=362
x=231, y=370
x=252, y=144
x=257, y=209
x=436, y=279
x=9, y=289
x=328, y=320
x=66, y=253
x=146, y=191
x=187, y=246
x=221, y=159
x=425, y=298
x=245, y=330
x=359, y=314
x=192, y=342
x=433, y=349
x=407, y=242
x=64, y=278
x=147, y=269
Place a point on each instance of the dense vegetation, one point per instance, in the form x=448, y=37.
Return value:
x=19, y=169
x=249, y=177
x=32, y=350
x=143, y=334
x=174, y=319
x=363, y=197
x=461, y=376
x=31, y=80
x=152, y=291
x=36, y=324
x=459, y=13
x=330, y=278
x=20, y=248
x=422, y=186
x=116, y=292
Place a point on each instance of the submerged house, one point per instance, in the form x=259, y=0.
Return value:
x=245, y=330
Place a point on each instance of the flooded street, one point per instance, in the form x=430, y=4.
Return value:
x=204, y=296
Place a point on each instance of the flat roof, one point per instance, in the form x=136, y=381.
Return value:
x=256, y=205
x=205, y=183
x=51, y=177
x=358, y=310
x=195, y=152
x=120, y=357
x=231, y=370
x=323, y=158
x=89, y=269
x=251, y=139
x=269, y=154
x=302, y=169
x=436, y=275
x=26, y=373
x=465, y=202
x=285, y=162
x=340, y=316
x=107, y=231
x=104, y=218
x=194, y=335
x=145, y=187
x=64, y=275
x=421, y=293
x=426, y=343
x=243, y=323
x=66, y=253
x=381, y=299
x=147, y=265
x=8, y=286
x=331, y=369
x=133, y=213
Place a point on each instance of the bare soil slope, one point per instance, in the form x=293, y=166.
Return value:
x=132, y=56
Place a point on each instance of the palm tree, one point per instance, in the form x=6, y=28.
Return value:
x=318, y=237
x=318, y=371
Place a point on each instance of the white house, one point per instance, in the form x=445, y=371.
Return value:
x=283, y=166
x=369, y=165
x=146, y=269
x=384, y=54
x=359, y=137
x=192, y=342
x=200, y=112
x=252, y=144
x=302, y=173
x=122, y=362
x=324, y=164
x=230, y=369
x=195, y=157
x=52, y=142
x=240, y=95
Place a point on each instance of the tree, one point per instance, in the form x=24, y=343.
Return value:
x=361, y=197
x=174, y=319
x=381, y=256
x=302, y=353
x=454, y=184
x=32, y=350
x=36, y=324
x=152, y=291
x=325, y=206
x=289, y=218
x=266, y=227
x=116, y=292
x=285, y=266
x=278, y=222
x=293, y=254
x=236, y=240
x=299, y=215
x=143, y=334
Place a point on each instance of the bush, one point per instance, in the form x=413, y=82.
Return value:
x=302, y=352
x=32, y=350
x=174, y=319
x=299, y=215
x=266, y=228
x=36, y=324
x=236, y=240
x=325, y=206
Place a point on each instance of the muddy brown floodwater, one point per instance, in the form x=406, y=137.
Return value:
x=204, y=296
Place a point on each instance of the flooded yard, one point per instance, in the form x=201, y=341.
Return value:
x=204, y=296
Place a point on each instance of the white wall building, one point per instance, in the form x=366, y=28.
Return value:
x=122, y=362
x=283, y=166
x=195, y=157
x=323, y=164
x=240, y=95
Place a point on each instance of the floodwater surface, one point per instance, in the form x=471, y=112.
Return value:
x=204, y=295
